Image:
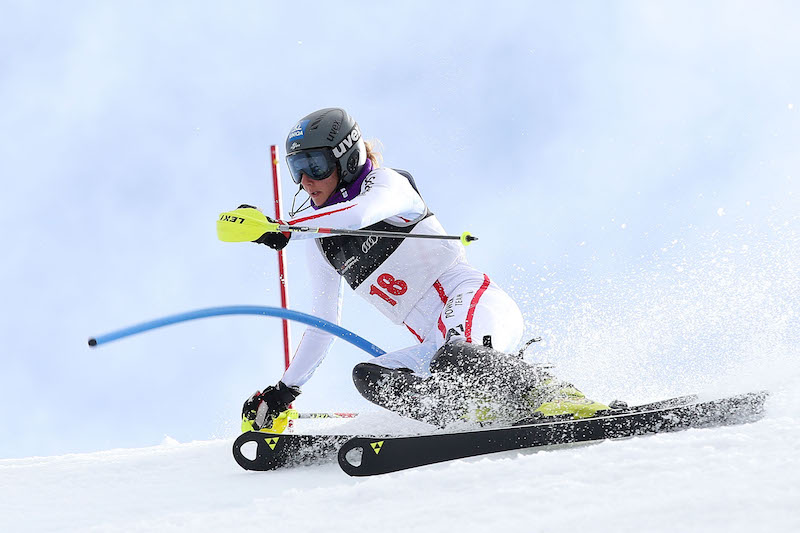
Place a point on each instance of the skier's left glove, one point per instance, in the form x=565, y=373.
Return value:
x=261, y=409
x=275, y=240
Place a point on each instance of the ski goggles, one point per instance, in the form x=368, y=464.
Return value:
x=317, y=164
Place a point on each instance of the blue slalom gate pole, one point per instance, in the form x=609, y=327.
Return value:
x=286, y=314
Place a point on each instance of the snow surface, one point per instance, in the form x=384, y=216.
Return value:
x=734, y=478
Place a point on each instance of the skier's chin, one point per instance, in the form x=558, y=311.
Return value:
x=318, y=199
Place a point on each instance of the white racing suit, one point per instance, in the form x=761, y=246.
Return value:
x=424, y=284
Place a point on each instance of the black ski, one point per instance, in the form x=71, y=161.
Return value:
x=366, y=456
x=275, y=451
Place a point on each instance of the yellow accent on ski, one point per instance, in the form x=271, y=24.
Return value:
x=243, y=225
x=376, y=446
x=272, y=442
x=571, y=401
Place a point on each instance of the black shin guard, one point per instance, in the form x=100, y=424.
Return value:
x=398, y=390
x=379, y=384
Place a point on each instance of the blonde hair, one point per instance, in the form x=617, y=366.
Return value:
x=373, y=154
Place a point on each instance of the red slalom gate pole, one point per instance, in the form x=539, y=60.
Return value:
x=284, y=284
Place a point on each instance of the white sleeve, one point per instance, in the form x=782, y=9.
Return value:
x=384, y=194
x=326, y=290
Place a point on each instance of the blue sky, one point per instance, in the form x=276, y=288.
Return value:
x=630, y=168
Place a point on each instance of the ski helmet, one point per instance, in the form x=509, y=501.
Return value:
x=324, y=141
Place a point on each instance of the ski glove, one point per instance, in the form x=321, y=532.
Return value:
x=276, y=241
x=262, y=407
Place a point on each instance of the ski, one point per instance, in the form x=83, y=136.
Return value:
x=367, y=456
x=272, y=451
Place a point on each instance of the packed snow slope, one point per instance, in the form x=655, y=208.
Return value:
x=734, y=478
x=715, y=316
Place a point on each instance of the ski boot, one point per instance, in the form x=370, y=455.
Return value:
x=499, y=387
x=484, y=385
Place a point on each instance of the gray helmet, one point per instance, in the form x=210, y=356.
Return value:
x=324, y=141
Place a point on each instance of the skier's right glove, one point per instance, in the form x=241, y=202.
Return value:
x=262, y=408
x=276, y=241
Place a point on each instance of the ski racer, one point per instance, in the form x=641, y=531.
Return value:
x=466, y=326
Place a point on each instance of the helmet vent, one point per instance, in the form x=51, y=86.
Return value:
x=352, y=162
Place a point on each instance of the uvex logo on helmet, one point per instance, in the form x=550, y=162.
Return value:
x=347, y=142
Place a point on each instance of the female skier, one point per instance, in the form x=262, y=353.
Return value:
x=465, y=325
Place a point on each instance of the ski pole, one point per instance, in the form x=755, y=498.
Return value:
x=293, y=414
x=286, y=419
x=465, y=237
x=248, y=224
